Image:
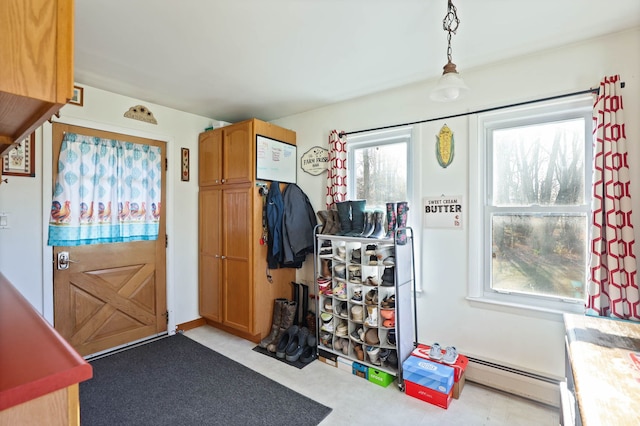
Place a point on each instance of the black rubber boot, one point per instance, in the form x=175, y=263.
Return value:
x=344, y=213
x=285, y=340
x=357, y=217
x=296, y=296
x=368, y=225
x=378, y=219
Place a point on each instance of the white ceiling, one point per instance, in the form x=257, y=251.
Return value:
x=237, y=59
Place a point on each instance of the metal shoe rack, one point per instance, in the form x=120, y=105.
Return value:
x=345, y=281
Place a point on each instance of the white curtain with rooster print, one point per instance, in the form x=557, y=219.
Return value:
x=106, y=191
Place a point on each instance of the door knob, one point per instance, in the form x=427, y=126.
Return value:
x=64, y=260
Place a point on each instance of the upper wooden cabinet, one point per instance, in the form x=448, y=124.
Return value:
x=36, y=64
x=226, y=154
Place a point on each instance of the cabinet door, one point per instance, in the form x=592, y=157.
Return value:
x=238, y=149
x=210, y=256
x=210, y=158
x=238, y=285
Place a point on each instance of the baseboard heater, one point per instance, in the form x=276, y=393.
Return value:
x=528, y=385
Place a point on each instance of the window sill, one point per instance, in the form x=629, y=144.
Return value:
x=523, y=309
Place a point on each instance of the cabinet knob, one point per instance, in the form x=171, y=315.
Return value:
x=217, y=181
x=223, y=257
x=224, y=180
x=217, y=256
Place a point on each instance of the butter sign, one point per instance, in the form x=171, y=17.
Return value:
x=315, y=161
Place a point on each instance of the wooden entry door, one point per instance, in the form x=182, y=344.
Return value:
x=111, y=294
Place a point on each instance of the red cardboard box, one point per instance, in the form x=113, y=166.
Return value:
x=428, y=395
x=422, y=351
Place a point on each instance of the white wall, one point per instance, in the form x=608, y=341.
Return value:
x=24, y=256
x=528, y=340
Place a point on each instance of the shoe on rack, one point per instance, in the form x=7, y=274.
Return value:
x=357, y=294
x=371, y=298
x=355, y=274
x=328, y=305
x=341, y=329
x=325, y=268
x=340, y=290
x=357, y=335
x=391, y=337
x=384, y=355
x=327, y=322
x=325, y=338
x=359, y=352
x=450, y=355
x=372, y=281
x=341, y=310
x=389, y=301
x=371, y=337
x=340, y=254
x=337, y=345
x=388, y=277
x=373, y=260
x=392, y=360
x=357, y=313
x=370, y=249
x=339, y=270
x=372, y=353
x=372, y=316
x=435, y=352
x=356, y=256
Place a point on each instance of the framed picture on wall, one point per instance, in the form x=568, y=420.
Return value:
x=20, y=161
x=78, y=96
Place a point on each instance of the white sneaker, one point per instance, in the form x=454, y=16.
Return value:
x=450, y=355
x=435, y=352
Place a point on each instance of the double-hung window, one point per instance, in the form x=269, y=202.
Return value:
x=534, y=170
x=379, y=168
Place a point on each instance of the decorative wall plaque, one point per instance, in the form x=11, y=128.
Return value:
x=315, y=161
x=444, y=146
x=142, y=113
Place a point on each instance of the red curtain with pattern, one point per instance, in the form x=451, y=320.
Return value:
x=612, y=289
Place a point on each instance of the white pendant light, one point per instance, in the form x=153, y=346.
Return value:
x=450, y=86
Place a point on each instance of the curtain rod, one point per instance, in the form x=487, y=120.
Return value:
x=479, y=111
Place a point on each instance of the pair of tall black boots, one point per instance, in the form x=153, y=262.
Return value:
x=356, y=222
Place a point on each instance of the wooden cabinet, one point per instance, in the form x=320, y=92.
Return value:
x=234, y=291
x=225, y=155
x=36, y=76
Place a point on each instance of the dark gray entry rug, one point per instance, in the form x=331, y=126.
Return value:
x=177, y=381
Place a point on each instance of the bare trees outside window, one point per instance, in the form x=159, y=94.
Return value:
x=536, y=209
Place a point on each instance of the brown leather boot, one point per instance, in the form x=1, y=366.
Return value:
x=276, y=324
x=289, y=310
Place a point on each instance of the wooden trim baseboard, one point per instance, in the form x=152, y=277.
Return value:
x=191, y=324
x=251, y=337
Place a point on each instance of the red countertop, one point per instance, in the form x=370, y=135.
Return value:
x=34, y=359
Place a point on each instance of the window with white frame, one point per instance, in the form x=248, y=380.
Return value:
x=378, y=167
x=534, y=181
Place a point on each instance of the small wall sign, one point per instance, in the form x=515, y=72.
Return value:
x=443, y=212
x=315, y=161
